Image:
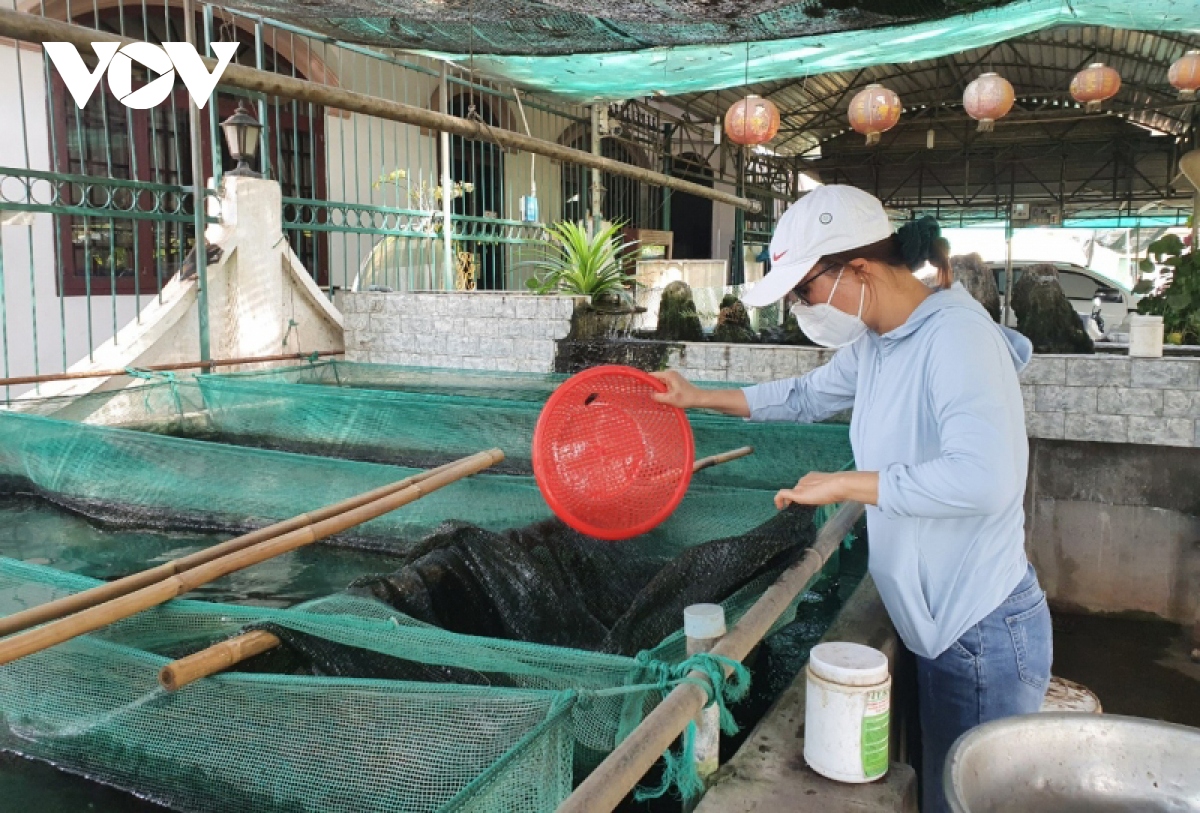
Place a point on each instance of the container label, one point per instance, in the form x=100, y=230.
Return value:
x=876, y=717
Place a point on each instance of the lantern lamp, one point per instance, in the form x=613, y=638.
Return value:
x=988, y=98
x=241, y=135
x=1095, y=84
x=1185, y=74
x=873, y=111
x=752, y=121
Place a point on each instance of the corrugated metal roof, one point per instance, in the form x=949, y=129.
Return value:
x=1039, y=65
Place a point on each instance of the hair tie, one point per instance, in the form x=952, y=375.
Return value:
x=916, y=240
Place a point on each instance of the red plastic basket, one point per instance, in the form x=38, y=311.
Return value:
x=610, y=461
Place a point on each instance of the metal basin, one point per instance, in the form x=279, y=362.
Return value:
x=1075, y=763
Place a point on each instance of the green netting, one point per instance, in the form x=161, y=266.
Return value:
x=506, y=386
x=273, y=742
x=269, y=742
x=140, y=478
x=516, y=720
x=424, y=429
x=629, y=72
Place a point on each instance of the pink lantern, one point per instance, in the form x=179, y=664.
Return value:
x=988, y=98
x=1095, y=84
x=752, y=120
x=1185, y=74
x=873, y=111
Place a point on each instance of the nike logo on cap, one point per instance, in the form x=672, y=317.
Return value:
x=775, y=257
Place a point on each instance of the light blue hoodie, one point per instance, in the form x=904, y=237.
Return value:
x=938, y=413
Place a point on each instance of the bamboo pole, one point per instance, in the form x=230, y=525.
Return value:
x=606, y=786
x=120, y=587
x=158, y=368
x=93, y=618
x=34, y=28
x=219, y=657
x=724, y=457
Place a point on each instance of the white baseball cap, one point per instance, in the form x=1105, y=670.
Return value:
x=827, y=220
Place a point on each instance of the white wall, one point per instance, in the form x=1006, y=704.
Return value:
x=29, y=257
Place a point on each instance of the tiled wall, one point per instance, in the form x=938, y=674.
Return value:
x=476, y=331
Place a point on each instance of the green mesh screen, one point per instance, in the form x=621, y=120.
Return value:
x=424, y=429
x=516, y=721
x=632, y=70
x=272, y=742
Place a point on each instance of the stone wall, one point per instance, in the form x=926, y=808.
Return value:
x=480, y=330
x=1108, y=399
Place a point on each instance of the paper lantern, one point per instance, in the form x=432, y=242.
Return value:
x=1094, y=84
x=988, y=98
x=752, y=120
x=874, y=110
x=1185, y=74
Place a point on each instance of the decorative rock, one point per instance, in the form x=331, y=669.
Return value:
x=976, y=276
x=733, y=323
x=677, y=317
x=1045, y=315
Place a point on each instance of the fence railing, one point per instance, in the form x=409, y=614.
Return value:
x=96, y=201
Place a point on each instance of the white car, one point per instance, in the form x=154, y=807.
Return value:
x=1092, y=294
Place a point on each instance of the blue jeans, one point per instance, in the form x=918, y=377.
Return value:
x=999, y=668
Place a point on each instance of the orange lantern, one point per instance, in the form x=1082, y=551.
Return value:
x=752, y=120
x=988, y=98
x=874, y=110
x=1185, y=74
x=1094, y=84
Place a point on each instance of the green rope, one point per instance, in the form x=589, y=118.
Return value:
x=680, y=771
x=155, y=375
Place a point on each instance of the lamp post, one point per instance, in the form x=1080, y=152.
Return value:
x=241, y=135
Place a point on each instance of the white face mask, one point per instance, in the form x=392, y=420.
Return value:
x=827, y=325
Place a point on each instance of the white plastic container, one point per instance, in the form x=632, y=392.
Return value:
x=704, y=625
x=847, y=712
x=1145, y=336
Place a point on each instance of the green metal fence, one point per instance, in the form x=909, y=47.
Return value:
x=96, y=202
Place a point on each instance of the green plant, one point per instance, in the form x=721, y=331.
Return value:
x=576, y=262
x=1177, y=302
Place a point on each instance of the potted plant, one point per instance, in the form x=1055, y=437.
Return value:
x=1177, y=299
x=578, y=263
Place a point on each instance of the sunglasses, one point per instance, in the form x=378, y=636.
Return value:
x=801, y=290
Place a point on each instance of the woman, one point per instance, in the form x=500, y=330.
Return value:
x=939, y=445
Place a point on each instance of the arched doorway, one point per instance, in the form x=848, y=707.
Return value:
x=480, y=164
x=691, y=215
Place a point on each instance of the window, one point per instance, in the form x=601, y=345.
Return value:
x=1077, y=286
x=105, y=139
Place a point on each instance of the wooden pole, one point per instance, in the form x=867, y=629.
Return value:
x=28, y=27
x=101, y=615
x=606, y=786
x=219, y=657
x=120, y=587
x=158, y=368
x=724, y=457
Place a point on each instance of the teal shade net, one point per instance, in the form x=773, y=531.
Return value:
x=633, y=73
x=515, y=738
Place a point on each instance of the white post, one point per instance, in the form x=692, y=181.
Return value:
x=597, y=183
x=704, y=626
x=447, y=190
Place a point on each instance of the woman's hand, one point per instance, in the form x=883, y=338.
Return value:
x=686, y=395
x=680, y=392
x=820, y=488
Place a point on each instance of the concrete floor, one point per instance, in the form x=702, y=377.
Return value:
x=1136, y=666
